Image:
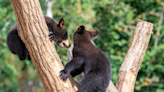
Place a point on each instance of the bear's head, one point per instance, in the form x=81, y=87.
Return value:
x=61, y=36
x=82, y=35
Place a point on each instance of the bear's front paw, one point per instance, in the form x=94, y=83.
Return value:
x=63, y=74
x=51, y=36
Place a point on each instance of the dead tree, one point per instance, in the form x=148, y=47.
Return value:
x=33, y=31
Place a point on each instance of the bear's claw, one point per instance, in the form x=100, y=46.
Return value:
x=51, y=36
x=63, y=74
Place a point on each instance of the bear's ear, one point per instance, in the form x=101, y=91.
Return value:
x=61, y=22
x=81, y=29
x=94, y=33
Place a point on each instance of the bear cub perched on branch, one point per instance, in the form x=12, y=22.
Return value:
x=89, y=58
x=56, y=33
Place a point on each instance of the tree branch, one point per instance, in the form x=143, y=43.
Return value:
x=129, y=69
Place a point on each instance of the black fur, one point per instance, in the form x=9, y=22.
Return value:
x=88, y=58
x=16, y=45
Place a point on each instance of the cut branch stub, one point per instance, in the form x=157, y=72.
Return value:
x=129, y=69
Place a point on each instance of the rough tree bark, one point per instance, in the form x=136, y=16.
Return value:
x=33, y=31
x=129, y=69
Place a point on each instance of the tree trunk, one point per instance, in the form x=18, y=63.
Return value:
x=33, y=31
x=129, y=69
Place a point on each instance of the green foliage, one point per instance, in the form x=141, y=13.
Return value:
x=116, y=20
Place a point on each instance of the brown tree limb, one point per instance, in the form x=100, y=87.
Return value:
x=33, y=31
x=129, y=69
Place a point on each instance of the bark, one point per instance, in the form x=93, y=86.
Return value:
x=33, y=31
x=129, y=69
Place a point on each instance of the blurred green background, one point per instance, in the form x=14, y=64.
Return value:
x=116, y=20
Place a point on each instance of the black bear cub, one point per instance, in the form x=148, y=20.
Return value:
x=56, y=33
x=88, y=58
